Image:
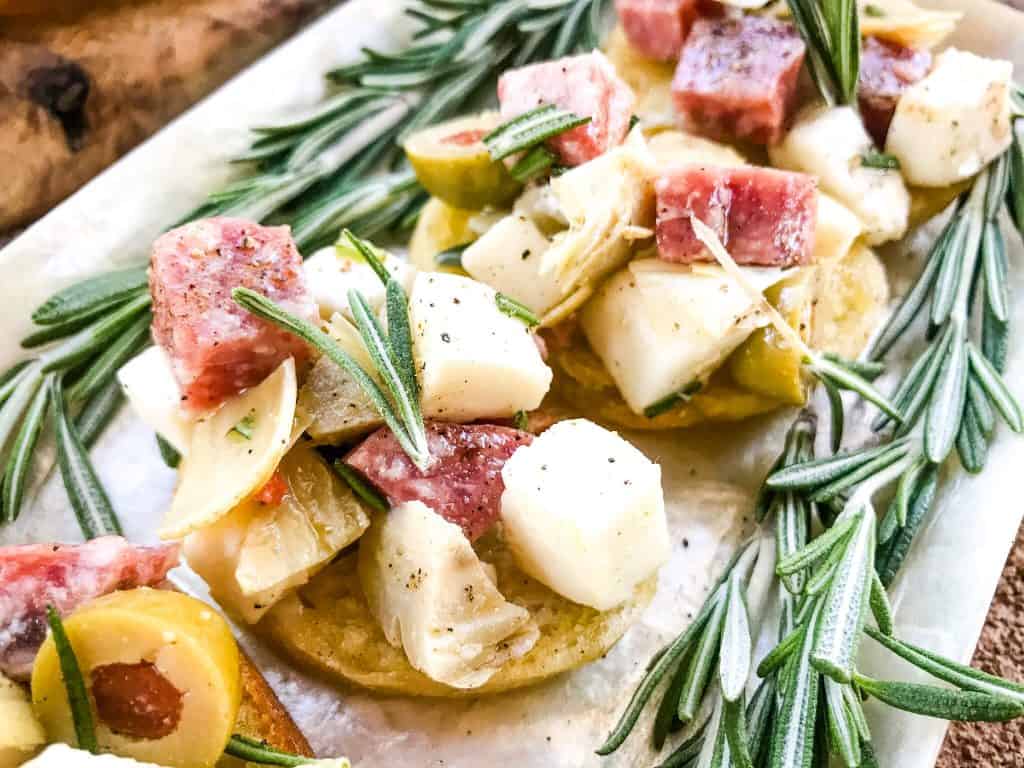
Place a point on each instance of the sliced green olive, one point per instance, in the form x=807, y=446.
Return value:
x=452, y=162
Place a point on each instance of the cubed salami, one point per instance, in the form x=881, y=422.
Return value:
x=217, y=348
x=65, y=576
x=886, y=70
x=764, y=217
x=737, y=77
x=463, y=484
x=657, y=28
x=586, y=85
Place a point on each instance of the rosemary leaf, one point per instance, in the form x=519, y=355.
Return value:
x=367, y=493
x=98, y=412
x=793, y=733
x=168, y=453
x=95, y=337
x=889, y=559
x=531, y=165
x=686, y=753
x=880, y=161
x=47, y=333
x=954, y=254
x=821, y=577
x=91, y=295
x=821, y=471
x=452, y=257
x=92, y=507
x=894, y=453
x=669, y=402
x=960, y=675
x=530, y=129
x=942, y=419
x=848, y=379
x=817, y=548
x=19, y=460
x=971, y=443
x=24, y=387
x=261, y=753
x=880, y=607
x=668, y=660
x=1015, y=189
x=932, y=701
x=868, y=369
x=791, y=520
x=993, y=255
x=700, y=666
x=843, y=736
x=9, y=380
x=734, y=721
x=665, y=718
x=916, y=391
x=836, y=414
x=842, y=617
x=105, y=367
x=760, y=712
x=369, y=254
x=736, y=645
x=778, y=655
x=517, y=310
x=74, y=684
x=980, y=403
x=992, y=383
x=995, y=339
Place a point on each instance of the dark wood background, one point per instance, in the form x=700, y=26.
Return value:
x=82, y=86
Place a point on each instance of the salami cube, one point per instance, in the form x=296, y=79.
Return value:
x=886, y=69
x=764, y=217
x=463, y=484
x=217, y=349
x=583, y=512
x=586, y=85
x=657, y=28
x=65, y=576
x=737, y=77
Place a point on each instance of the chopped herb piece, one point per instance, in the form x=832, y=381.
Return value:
x=360, y=487
x=452, y=257
x=874, y=11
x=245, y=427
x=671, y=401
x=74, y=684
x=519, y=311
x=633, y=120
x=532, y=164
x=530, y=129
x=880, y=160
x=521, y=420
x=168, y=453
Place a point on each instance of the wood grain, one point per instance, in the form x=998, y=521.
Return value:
x=80, y=88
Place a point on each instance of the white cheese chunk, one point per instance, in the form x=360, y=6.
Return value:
x=584, y=513
x=147, y=380
x=828, y=143
x=836, y=230
x=332, y=272
x=63, y=756
x=658, y=327
x=20, y=732
x=473, y=361
x=434, y=598
x=508, y=258
x=951, y=123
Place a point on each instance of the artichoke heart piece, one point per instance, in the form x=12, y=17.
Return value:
x=903, y=22
x=434, y=598
x=258, y=553
x=233, y=452
x=339, y=408
x=451, y=161
x=609, y=204
x=173, y=647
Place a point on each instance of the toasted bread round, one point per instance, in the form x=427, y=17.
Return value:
x=328, y=628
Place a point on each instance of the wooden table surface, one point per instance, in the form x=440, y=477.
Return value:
x=79, y=90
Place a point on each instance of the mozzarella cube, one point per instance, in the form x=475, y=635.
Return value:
x=332, y=272
x=434, y=598
x=659, y=327
x=829, y=143
x=836, y=230
x=951, y=123
x=473, y=361
x=148, y=382
x=583, y=512
x=508, y=258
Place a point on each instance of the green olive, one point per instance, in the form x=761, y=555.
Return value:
x=452, y=162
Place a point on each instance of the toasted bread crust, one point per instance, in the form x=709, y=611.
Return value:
x=262, y=716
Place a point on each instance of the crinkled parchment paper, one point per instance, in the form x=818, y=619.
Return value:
x=709, y=474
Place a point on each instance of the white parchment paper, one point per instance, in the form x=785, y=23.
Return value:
x=710, y=474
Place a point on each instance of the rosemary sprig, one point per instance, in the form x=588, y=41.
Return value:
x=260, y=753
x=831, y=32
x=74, y=684
x=515, y=309
x=530, y=129
x=316, y=171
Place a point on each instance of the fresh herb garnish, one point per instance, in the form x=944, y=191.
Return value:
x=880, y=161
x=533, y=164
x=521, y=421
x=452, y=257
x=168, y=453
x=360, y=487
x=261, y=753
x=831, y=32
x=670, y=401
x=74, y=684
x=530, y=129
x=516, y=309
x=245, y=428
x=874, y=11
